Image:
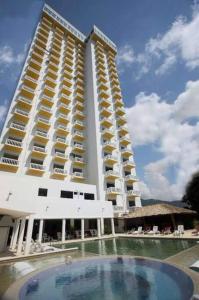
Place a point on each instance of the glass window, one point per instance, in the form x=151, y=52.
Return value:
x=88, y=196
x=42, y=192
x=66, y=194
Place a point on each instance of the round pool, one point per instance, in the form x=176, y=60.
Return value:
x=111, y=278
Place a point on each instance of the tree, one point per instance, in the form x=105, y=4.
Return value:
x=191, y=196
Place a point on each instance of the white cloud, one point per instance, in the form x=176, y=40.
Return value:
x=3, y=110
x=152, y=120
x=8, y=57
x=179, y=43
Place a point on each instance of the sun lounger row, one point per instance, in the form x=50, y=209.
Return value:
x=154, y=231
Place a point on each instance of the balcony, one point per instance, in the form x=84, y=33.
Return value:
x=68, y=61
x=62, y=129
x=116, y=88
x=68, y=55
x=64, y=98
x=35, y=64
x=79, y=97
x=17, y=129
x=66, y=90
x=41, y=136
x=79, y=176
x=60, y=156
x=113, y=191
x=59, y=173
x=24, y=103
x=110, y=159
x=131, y=178
x=27, y=92
x=50, y=92
x=105, y=102
x=123, y=130
x=8, y=164
x=51, y=73
x=102, y=79
x=45, y=111
x=21, y=115
x=106, y=122
x=61, y=142
x=79, y=105
x=78, y=148
x=133, y=193
x=126, y=152
x=78, y=161
x=100, y=66
x=44, y=31
x=64, y=108
x=32, y=72
x=39, y=50
x=118, y=103
x=107, y=133
x=129, y=164
x=109, y=146
x=36, y=169
x=111, y=174
x=106, y=112
x=43, y=123
x=101, y=72
x=120, y=111
x=79, y=125
x=125, y=140
x=46, y=100
x=79, y=89
x=63, y=118
x=117, y=95
x=68, y=68
x=67, y=74
x=103, y=87
x=50, y=82
x=56, y=51
x=54, y=59
x=67, y=82
x=30, y=82
x=42, y=37
x=78, y=135
x=79, y=115
x=104, y=94
x=13, y=145
x=121, y=120
x=38, y=152
x=79, y=74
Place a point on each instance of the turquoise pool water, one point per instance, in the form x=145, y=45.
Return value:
x=113, y=278
x=156, y=248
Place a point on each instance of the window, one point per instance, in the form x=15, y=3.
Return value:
x=88, y=196
x=81, y=194
x=42, y=192
x=113, y=202
x=75, y=193
x=131, y=203
x=66, y=194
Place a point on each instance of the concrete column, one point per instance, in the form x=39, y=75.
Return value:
x=102, y=226
x=15, y=234
x=112, y=226
x=29, y=235
x=98, y=228
x=82, y=229
x=41, y=225
x=72, y=223
x=21, y=234
x=63, y=230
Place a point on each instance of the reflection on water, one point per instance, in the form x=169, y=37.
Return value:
x=109, y=279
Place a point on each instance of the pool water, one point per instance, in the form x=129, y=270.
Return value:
x=113, y=278
x=157, y=248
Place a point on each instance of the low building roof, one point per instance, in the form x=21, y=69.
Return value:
x=157, y=210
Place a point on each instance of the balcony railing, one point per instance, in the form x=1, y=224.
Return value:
x=43, y=120
x=59, y=171
x=61, y=154
x=9, y=161
x=78, y=159
x=13, y=143
x=112, y=173
x=39, y=149
x=22, y=112
x=41, y=133
x=37, y=166
x=110, y=157
x=113, y=190
x=131, y=177
x=78, y=174
x=133, y=193
x=17, y=126
x=24, y=99
x=61, y=140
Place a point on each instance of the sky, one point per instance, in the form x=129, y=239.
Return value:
x=158, y=63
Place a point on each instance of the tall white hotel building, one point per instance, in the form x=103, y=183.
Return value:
x=66, y=157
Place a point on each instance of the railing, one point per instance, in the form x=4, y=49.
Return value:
x=118, y=208
x=36, y=166
x=32, y=69
x=63, y=116
x=130, y=176
x=78, y=145
x=17, y=126
x=78, y=159
x=41, y=133
x=109, y=156
x=35, y=62
x=50, y=79
x=62, y=105
x=24, y=99
x=9, y=161
x=63, y=86
x=106, y=120
x=13, y=143
x=62, y=127
x=47, y=98
x=60, y=154
x=76, y=132
x=46, y=121
x=45, y=108
x=78, y=174
x=59, y=171
x=30, y=78
x=79, y=123
x=39, y=149
x=111, y=172
x=49, y=88
x=128, y=162
x=61, y=140
x=133, y=193
x=106, y=109
x=113, y=190
x=105, y=130
x=78, y=112
x=22, y=112
x=108, y=143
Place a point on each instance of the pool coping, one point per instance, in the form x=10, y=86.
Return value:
x=12, y=293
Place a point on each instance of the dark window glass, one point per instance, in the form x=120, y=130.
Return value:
x=42, y=192
x=75, y=193
x=81, y=194
x=131, y=203
x=113, y=202
x=88, y=196
x=66, y=194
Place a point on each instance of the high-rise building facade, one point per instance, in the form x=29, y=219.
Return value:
x=65, y=138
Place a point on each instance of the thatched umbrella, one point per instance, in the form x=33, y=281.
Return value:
x=158, y=210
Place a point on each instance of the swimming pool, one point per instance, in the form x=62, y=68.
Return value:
x=109, y=278
x=156, y=248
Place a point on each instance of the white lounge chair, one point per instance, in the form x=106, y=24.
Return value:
x=139, y=231
x=154, y=230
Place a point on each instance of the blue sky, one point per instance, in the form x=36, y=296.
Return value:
x=158, y=61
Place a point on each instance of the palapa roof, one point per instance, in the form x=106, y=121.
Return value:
x=157, y=210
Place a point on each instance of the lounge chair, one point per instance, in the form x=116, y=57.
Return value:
x=139, y=231
x=181, y=229
x=93, y=232
x=78, y=234
x=46, y=238
x=154, y=230
x=131, y=231
x=147, y=230
x=166, y=230
x=59, y=236
x=195, y=232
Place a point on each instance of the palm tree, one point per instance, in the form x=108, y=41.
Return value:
x=191, y=196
